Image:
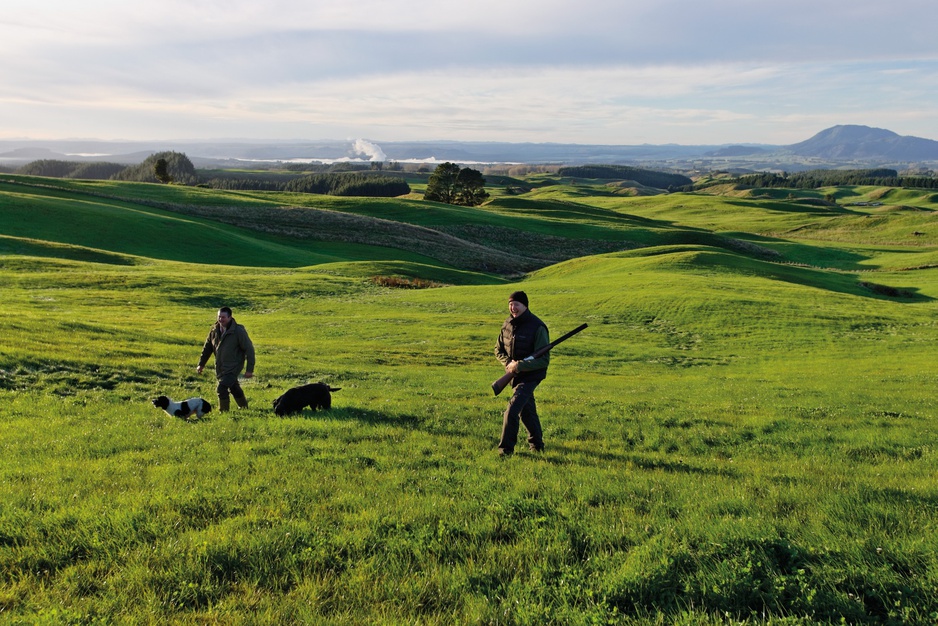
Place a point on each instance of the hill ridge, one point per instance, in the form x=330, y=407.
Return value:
x=856, y=142
x=877, y=146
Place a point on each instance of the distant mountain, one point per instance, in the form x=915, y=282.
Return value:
x=833, y=147
x=36, y=152
x=863, y=143
x=30, y=154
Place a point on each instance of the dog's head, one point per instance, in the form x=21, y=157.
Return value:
x=161, y=402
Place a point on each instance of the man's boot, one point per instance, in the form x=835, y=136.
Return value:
x=242, y=401
x=224, y=404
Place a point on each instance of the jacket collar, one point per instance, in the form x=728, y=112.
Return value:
x=514, y=321
x=223, y=329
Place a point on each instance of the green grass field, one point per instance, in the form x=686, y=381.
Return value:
x=744, y=434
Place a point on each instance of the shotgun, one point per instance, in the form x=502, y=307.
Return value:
x=502, y=382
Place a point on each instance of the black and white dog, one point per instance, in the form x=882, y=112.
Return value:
x=315, y=396
x=184, y=409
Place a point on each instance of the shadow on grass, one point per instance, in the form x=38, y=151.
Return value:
x=47, y=249
x=65, y=378
x=363, y=416
x=560, y=454
x=565, y=455
x=808, y=276
x=210, y=301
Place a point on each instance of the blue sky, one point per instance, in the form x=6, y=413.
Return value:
x=585, y=71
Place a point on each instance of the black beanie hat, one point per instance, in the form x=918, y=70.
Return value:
x=519, y=296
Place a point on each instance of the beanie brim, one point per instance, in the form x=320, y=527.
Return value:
x=519, y=296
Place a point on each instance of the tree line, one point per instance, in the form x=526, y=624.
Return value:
x=648, y=178
x=175, y=167
x=814, y=179
x=70, y=169
x=349, y=184
x=346, y=166
x=338, y=184
x=159, y=167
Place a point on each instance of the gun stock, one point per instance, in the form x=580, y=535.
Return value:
x=502, y=382
x=505, y=380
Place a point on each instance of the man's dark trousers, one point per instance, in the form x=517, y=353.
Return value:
x=229, y=382
x=521, y=408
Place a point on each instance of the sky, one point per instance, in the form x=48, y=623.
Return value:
x=615, y=72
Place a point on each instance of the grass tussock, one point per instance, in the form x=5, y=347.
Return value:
x=403, y=282
x=885, y=290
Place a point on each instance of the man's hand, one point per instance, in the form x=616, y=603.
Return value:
x=198, y=369
x=512, y=368
x=249, y=374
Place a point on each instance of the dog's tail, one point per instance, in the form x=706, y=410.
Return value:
x=335, y=388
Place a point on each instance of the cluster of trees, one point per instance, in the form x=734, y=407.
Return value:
x=244, y=183
x=162, y=167
x=341, y=184
x=648, y=178
x=452, y=184
x=350, y=184
x=813, y=179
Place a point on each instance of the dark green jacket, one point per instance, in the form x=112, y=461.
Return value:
x=520, y=337
x=231, y=347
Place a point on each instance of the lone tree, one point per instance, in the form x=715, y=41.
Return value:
x=454, y=185
x=161, y=171
x=441, y=186
x=470, y=187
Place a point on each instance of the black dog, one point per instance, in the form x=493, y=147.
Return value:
x=184, y=409
x=314, y=396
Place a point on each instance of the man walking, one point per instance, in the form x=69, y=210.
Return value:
x=522, y=334
x=230, y=344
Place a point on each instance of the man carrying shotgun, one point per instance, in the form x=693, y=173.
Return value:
x=522, y=334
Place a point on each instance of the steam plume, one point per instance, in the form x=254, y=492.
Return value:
x=372, y=150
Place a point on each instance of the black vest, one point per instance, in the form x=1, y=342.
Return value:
x=518, y=335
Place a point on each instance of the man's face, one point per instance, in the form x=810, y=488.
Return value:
x=516, y=308
x=223, y=318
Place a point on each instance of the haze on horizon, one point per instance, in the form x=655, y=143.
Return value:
x=591, y=71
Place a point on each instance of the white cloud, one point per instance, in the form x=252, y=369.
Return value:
x=599, y=71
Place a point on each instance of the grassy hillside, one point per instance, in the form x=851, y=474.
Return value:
x=93, y=221
x=736, y=437
x=508, y=236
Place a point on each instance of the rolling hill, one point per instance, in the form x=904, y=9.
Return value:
x=745, y=432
